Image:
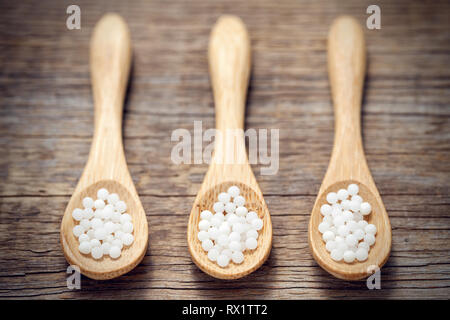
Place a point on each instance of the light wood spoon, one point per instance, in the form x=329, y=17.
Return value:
x=229, y=62
x=346, y=67
x=106, y=166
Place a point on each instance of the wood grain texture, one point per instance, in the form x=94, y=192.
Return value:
x=106, y=166
x=346, y=68
x=46, y=128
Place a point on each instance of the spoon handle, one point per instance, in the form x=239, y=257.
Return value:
x=229, y=64
x=110, y=67
x=346, y=68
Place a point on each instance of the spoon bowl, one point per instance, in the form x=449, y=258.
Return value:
x=346, y=68
x=229, y=61
x=106, y=166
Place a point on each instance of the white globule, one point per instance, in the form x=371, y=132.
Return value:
x=104, y=227
x=347, y=236
x=233, y=229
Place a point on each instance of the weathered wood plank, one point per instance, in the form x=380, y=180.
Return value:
x=46, y=127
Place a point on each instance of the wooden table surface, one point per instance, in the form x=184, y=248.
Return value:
x=46, y=128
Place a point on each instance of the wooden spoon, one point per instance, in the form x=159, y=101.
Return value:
x=106, y=166
x=229, y=62
x=346, y=67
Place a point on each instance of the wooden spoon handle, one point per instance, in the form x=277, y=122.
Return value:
x=346, y=68
x=229, y=64
x=110, y=68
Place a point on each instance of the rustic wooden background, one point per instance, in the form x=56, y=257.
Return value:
x=46, y=127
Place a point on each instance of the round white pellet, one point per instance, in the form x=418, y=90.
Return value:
x=203, y=235
x=348, y=215
x=364, y=245
x=218, y=207
x=251, y=243
x=337, y=254
x=349, y=256
x=235, y=246
x=332, y=197
x=110, y=227
x=83, y=238
x=357, y=198
x=114, y=252
x=237, y=257
x=339, y=221
x=224, y=197
x=342, y=194
x=252, y=234
x=88, y=213
x=251, y=216
x=326, y=209
x=234, y=236
x=78, y=230
x=345, y=205
x=233, y=191
x=351, y=240
x=342, y=246
x=90, y=234
x=204, y=225
x=335, y=212
x=85, y=247
x=353, y=189
x=86, y=224
x=328, y=219
x=216, y=221
x=102, y=194
x=115, y=217
x=213, y=233
x=127, y=239
x=109, y=238
x=100, y=233
x=99, y=204
x=108, y=212
x=88, y=202
x=225, y=228
x=207, y=245
x=361, y=254
x=223, y=260
x=359, y=234
x=323, y=227
x=227, y=252
x=113, y=198
x=370, y=228
x=206, y=215
x=223, y=240
x=366, y=208
x=238, y=227
x=369, y=239
x=257, y=224
x=106, y=246
x=127, y=227
x=96, y=252
x=355, y=206
x=213, y=254
x=327, y=236
x=343, y=231
x=77, y=214
x=357, y=216
x=362, y=224
x=239, y=201
x=120, y=206
x=331, y=245
x=230, y=207
x=125, y=218
x=117, y=243
x=232, y=218
x=241, y=211
x=96, y=223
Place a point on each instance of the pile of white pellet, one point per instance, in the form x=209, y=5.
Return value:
x=346, y=234
x=232, y=230
x=104, y=227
